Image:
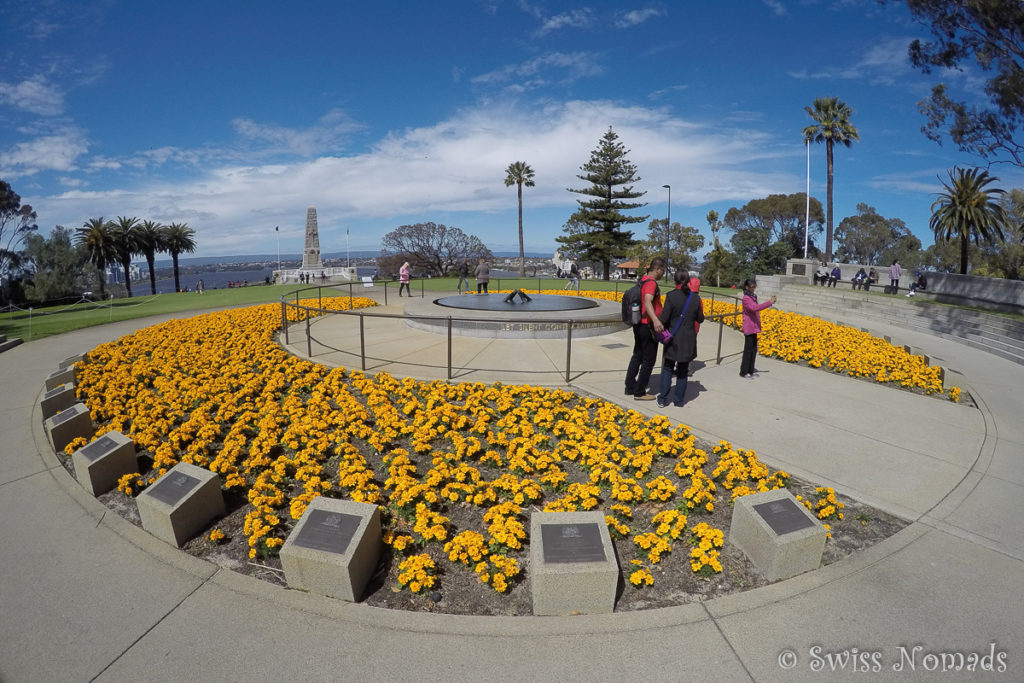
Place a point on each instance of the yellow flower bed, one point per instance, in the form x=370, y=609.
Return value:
x=219, y=392
x=793, y=337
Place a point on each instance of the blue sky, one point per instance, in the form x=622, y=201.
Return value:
x=235, y=116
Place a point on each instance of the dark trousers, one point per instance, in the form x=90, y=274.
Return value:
x=405, y=286
x=681, y=371
x=481, y=287
x=749, y=354
x=645, y=352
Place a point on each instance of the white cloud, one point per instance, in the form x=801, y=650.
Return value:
x=883, y=63
x=637, y=16
x=577, y=18
x=552, y=67
x=54, y=152
x=776, y=7
x=328, y=134
x=442, y=171
x=34, y=95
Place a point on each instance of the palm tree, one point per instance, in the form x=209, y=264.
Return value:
x=519, y=174
x=95, y=236
x=831, y=125
x=178, y=239
x=151, y=240
x=125, y=233
x=966, y=210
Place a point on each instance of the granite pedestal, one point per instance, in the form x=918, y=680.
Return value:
x=98, y=465
x=572, y=564
x=57, y=399
x=334, y=548
x=779, y=535
x=68, y=425
x=59, y=377
x=181, y=503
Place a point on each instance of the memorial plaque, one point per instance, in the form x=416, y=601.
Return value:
x=784, y=516
x=799, y=269
x=173, y=487
x=564, y=543
x=97, y=448
x=53, y=392
x=328, y=531
x=64, y=416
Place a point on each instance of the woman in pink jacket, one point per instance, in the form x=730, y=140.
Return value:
x=403, y=279
x=751, y=328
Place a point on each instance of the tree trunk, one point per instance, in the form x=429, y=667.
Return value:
x=963, y=254
x=828, y=223
x=150, y=259
x=101, y=275
x=177, y=281
x=126, y=265
x=522, y=257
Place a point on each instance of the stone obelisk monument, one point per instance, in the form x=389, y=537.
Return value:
x=311, y=251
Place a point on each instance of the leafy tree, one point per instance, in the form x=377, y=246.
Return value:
x=944, y=257
x=56, y=267
x=125, y=234
x=967, y=211
x=610, y=175
x=178, y=239
x=520, y=174
x=95, y=236
x=831, y=125
x=991, y=33
x=864, y=238
x=906, y=249
x=780, y=218
x=686, y=240
x=431, y=247
x=17, y=221
x=721, y=263
x=1007, y=259
x=150, y=238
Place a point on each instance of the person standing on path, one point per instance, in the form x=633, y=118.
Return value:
x=751, y=327
x=463, y=275
x=645, y=346
x=682, y=313
x=403, y=279
x=483, y=276
x=895, y=272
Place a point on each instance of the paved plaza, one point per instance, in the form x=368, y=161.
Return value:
x=85, y=595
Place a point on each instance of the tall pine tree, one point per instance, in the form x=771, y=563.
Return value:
x=610, y=175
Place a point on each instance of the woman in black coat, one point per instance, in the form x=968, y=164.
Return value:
x=682, y=310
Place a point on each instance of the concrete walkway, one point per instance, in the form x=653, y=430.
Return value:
x=84, y=595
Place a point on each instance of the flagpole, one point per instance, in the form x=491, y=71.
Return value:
x=807, y=212
x=348, y=251
x=277, y=230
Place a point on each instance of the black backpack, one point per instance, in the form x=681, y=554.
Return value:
x=633, y=295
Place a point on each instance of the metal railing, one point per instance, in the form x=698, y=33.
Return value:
x=306, y=313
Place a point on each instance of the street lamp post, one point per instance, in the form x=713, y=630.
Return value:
x=668, y=229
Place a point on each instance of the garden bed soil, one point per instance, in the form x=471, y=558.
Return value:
x=458, y=591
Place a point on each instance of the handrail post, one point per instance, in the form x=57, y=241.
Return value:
x=309, y=338
x=350, y=296
x=298, y=311
x=284, y=314
x=568, y=350
x=449, y=348
x=385, y=292
x=421, y=287
x=319, y=296
x=362, y=342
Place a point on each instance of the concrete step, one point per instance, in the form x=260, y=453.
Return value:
x=8, y=343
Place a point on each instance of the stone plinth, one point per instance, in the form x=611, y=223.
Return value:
x=71, y=360
x=333, y=550
x=779, y=535
x=573, y=566
x=181, y=503
x=98, y=465
x=68, y=425
x=58, y=377
x=57, y=399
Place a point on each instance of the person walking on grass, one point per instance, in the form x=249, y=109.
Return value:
x=682, y=313
x=403, y=279
x=751, y=327
x=645, y=346
x=463, y=275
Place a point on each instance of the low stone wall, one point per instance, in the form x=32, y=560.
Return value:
x=989, y=293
